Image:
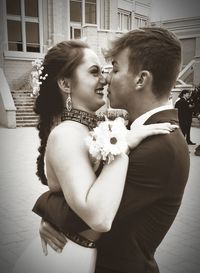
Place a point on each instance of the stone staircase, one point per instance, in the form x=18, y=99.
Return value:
x=24, y=103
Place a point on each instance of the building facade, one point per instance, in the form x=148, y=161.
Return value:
x=188, y=31
x=29, y=27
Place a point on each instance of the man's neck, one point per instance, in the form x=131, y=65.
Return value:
x=142, y=109
x=142, y=119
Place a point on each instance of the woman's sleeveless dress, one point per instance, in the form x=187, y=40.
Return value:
x=73, y=259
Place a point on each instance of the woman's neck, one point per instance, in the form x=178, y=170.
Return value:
x=88, y=119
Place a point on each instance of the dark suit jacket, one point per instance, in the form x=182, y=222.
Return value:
x=156, y=178
x=157, y=175
x=184, y=111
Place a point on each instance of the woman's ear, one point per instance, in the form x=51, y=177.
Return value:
x=143, y=78
x=64, y=85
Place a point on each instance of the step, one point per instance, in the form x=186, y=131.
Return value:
x=26, y=114
x=26, y=118
x=21, y=91
x=21, y=96
x=24, y=103
x=27, y=125
x=24, y=107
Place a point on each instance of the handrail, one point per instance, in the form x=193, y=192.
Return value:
x=7, y=106
x=185, y=71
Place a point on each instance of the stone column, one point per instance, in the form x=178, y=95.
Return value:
x=1, y=34
x=59, y=21
x=197, y=63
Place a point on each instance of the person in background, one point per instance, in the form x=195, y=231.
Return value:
x=185, y=114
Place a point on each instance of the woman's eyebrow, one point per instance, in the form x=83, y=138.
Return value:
x=114, y=62
x=95, y=66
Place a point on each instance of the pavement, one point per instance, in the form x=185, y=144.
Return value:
x=19, y=188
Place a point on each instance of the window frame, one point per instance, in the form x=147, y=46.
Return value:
x=82, y=23
x=141, y=18
x=120, y=15
x=11, y=54
x=84, y=5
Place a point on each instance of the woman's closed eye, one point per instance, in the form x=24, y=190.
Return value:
x=95, y=72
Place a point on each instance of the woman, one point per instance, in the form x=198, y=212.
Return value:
x=72, y=76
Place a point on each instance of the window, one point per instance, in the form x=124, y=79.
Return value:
x=90, y=11
x=75, y=32
x=76, y=11
x=140, y=21
x=81, y=12
x=104, y=14
x=23, y=28
x=124, y=20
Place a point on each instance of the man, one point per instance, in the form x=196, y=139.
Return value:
x=146, y=63
x=185, y=114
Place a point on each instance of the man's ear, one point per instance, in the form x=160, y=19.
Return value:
x=64, y=84
x=143, y=78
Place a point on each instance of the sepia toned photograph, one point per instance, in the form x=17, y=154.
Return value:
x=99, y=136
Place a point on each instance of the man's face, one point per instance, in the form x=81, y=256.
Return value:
x=187, y=95
x=120, y=81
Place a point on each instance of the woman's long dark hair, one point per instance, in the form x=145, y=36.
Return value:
x=60, y=61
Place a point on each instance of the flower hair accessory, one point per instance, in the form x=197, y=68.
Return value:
x=36, y=76
x=107, y=140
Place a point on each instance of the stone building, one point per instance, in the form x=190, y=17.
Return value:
x=188, y=31
x=29, y=27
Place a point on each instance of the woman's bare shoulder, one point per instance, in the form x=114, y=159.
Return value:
x=68, y=130
x=68, y=136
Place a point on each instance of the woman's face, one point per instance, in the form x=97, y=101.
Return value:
x=88, y=84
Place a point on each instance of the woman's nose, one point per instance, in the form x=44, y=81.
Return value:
x=103, y=79
x=108, y=78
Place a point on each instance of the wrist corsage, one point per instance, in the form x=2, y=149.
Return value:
x=107, y=140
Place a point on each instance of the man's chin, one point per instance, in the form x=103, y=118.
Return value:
x=116, y=106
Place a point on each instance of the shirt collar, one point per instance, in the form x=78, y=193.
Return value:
x=141, y=119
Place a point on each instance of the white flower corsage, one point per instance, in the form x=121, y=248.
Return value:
x=107, y=140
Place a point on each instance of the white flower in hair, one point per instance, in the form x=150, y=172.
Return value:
x=107, y=140
x=36, y=78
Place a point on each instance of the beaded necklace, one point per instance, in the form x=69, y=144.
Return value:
x=83, y=117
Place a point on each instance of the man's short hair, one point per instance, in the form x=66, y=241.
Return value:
x=183, y=92
x=154, y=49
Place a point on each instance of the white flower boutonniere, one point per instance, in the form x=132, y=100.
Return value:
x=107, y=140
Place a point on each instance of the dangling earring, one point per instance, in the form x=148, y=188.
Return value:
x=68, y=102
